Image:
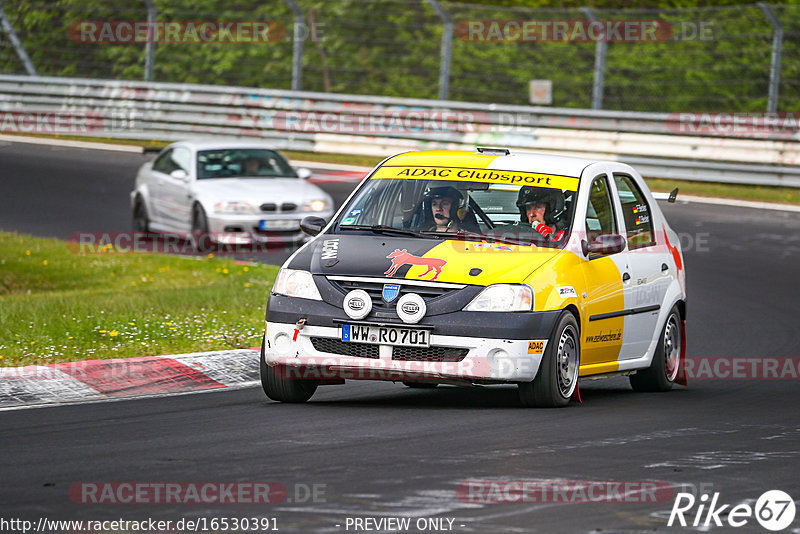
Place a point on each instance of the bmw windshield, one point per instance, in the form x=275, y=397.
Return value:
x=242, y=163
x=472, y=210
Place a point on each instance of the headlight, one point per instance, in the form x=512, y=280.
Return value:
x=295, y=283
x=503, y=298
x=316, y=205
x=233, y=207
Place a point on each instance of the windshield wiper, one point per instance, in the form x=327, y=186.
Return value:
x=385, y=229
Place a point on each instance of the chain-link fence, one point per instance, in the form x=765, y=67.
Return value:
x=734, y=58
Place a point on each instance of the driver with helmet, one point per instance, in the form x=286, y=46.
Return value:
x=542, y=209
x=443, y=203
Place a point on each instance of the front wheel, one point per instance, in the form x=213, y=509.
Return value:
x=141, y=222
x=663, y=370
x=199, y=220
x=278, y=387
x=558, y=373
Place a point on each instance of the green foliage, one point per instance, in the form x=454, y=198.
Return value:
x=393, y=47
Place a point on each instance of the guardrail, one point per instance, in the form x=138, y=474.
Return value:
x=660, y=145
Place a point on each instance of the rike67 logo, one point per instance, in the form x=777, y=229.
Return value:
x=774, y=510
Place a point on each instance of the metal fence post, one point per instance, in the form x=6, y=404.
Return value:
x=297, y=45
x=447, y=48
x=599, y=64
x=150, y=47
x=775, y=61
x=12, y=36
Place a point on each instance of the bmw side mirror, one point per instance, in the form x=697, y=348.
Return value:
x=312, y=225
x=604, y=245
x=303, y=173
x=180, y=174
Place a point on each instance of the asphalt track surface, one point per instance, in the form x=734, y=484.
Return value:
x=381, y=450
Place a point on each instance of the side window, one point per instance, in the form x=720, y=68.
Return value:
x=636, y=212
x=182, y=159
x=176, y=158
x=163, y=163
x=600, y=218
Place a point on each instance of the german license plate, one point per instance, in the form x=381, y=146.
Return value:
x=279, y=224
x=385, y=335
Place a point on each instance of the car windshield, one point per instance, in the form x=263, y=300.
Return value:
x=474, y=210
x=242, y=163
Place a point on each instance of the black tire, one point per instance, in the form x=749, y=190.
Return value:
x=202, y=239
x=663, y=370
x=141, y=221
x=558, y=373
x=199, y=220
x=420, y=385
x=282, y=389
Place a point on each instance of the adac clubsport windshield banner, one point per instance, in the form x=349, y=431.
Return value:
x=466, y=174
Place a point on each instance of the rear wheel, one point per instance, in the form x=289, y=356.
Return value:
x=663, y=370
x=558, y=373
x=282, y=389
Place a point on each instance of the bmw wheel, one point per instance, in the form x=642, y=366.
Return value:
x=141, y=222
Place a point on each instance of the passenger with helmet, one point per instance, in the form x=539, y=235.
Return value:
x=440, y=209
x=542, y=208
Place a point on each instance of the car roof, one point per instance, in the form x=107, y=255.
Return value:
x=523, y=162
x=216, y=144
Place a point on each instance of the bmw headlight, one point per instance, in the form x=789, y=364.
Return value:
x=503, y=298
x=296, y=283
x=234, y=207
x=316, y=205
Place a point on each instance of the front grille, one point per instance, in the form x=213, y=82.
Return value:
x=375, y=290
x=429, y=354
x=269, y=206
x=337, y=346
x=288, y=206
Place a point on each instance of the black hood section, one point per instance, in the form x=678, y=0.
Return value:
x=359, y=254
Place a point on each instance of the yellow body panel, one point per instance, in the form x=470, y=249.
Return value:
x=601, y=340
x=444, y=158
x=510, y=264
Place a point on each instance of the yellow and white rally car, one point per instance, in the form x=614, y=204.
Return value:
x=486, y=267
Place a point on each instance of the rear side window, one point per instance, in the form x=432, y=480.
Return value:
x=636, y=212
x=600, y=219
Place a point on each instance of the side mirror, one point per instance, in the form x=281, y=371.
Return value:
x=303, y=173
x=604, y=245
x=313, y=225
x=180, y=174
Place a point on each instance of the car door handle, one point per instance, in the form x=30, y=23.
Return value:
x=664, y=267
x=625, y=277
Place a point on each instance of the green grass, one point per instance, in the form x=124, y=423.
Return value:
x=781, y=195
x=57, y=305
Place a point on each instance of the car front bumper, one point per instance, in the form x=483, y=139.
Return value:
x=469, y=347
x=244, y=228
